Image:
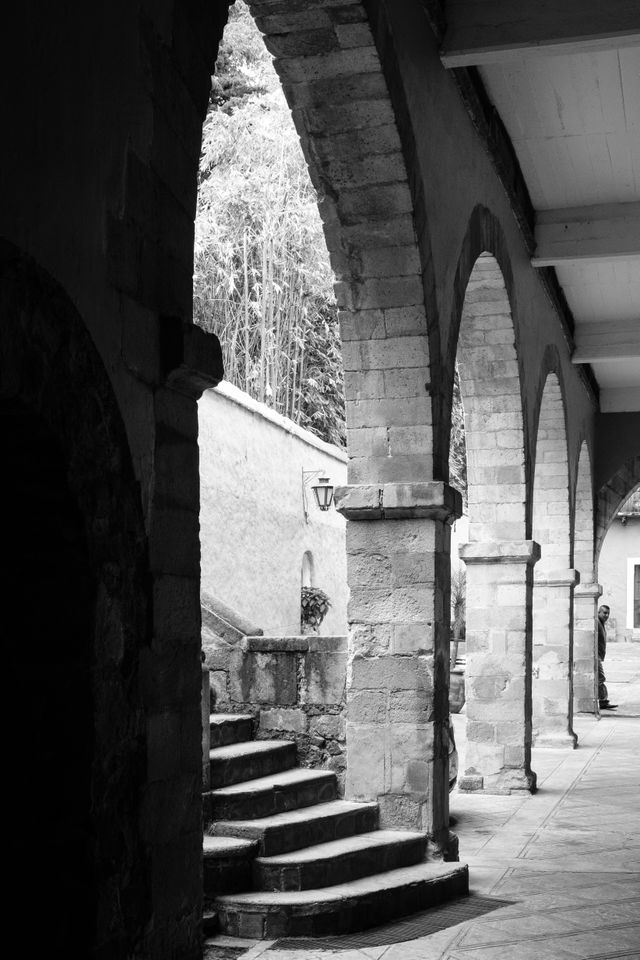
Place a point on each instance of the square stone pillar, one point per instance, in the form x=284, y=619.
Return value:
x=553, y=657
x=398, y=563
x=498, y=671
x=585, y=644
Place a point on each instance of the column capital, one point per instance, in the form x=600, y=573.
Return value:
x=500, y=551
x=590, y=591
x=552, y=577
x=427, y=499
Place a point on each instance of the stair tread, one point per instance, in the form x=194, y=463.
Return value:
x=336, y=848
x=229, y=717
x=226, y=846
x=302, y=815
x=248, y=748
x=390, y=880
x=284, y=778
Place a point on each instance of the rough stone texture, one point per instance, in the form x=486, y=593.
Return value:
x=586, y=602
x=295, y=687
x=100, y=191
x=553, y=585
x=498, y=671
x=397, y=707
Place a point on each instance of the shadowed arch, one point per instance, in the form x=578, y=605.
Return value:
x=587, y=593
x=554, y=580
x=52, y=381
x=612, y=495
x=498, y=558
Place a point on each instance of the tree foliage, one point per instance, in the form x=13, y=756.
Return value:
x=262, y=279
x=457, y=445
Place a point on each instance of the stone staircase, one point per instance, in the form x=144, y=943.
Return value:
x=283, y=856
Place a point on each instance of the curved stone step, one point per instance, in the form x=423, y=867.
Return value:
x=227, y=728
x=267, y=796
x=248, y=761
x=339, y=861
x=344, y=908
x=226, y=865
x=294, y=829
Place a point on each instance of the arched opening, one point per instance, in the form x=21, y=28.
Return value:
x=48, y=614
x=307, y=572
x=586, y=593
x=398, y=752
x=554, y=580
x=498, y=558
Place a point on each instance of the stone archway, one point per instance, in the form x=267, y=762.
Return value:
x=554, y=579
x=75, y=526
x=587, y=592
x=498, y=557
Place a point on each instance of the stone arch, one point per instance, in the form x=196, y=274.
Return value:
x=612, y=495
x=554, y=580
x=550, y=514
x=499, y=560
x=354, y=154
x=587, y=592
x=491, y=395
x=56, y=394
x=583, y=517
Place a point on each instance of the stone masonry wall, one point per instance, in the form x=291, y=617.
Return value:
x=295, y=689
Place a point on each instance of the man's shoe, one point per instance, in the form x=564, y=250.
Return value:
x=608, y=706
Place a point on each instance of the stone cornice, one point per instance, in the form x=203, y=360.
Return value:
x=430, y=499
x=501, y=551
x=548, y=577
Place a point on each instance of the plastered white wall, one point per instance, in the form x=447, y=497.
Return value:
x=621, y=542
x=253, y=530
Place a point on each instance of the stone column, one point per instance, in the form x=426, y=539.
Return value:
x=553, y=657
x=498, y=671
x=585, y=641
x=398, y=562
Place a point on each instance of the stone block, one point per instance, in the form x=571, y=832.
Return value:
x=265, y=678
x=368, y=639
x=329, y=726
x=336, y=64
x=324, y=677
x=402, y=812
x=410, y=638
x=360, y=325
x=411, y=706
x=291, y=721
x=366, y=761
x=362, y=501
x=367, y=706
x=392, y=673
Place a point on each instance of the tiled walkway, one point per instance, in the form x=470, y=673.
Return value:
x=566, y=861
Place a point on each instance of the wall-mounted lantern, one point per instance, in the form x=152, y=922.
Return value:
x=322, y=491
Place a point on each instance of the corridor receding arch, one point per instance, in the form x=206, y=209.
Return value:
x=587, y=591
x=554, y=580
x=499, y=559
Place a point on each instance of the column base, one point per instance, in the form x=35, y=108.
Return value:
x=500, y=784
x=561, y=740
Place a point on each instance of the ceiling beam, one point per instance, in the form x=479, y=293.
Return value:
x=620, y=399
x=608, y=340
x=495, y=31
x=609, y=231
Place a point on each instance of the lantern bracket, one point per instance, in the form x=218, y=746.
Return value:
x=308, y=476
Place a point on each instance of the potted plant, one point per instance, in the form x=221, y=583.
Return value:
x=314, y=604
